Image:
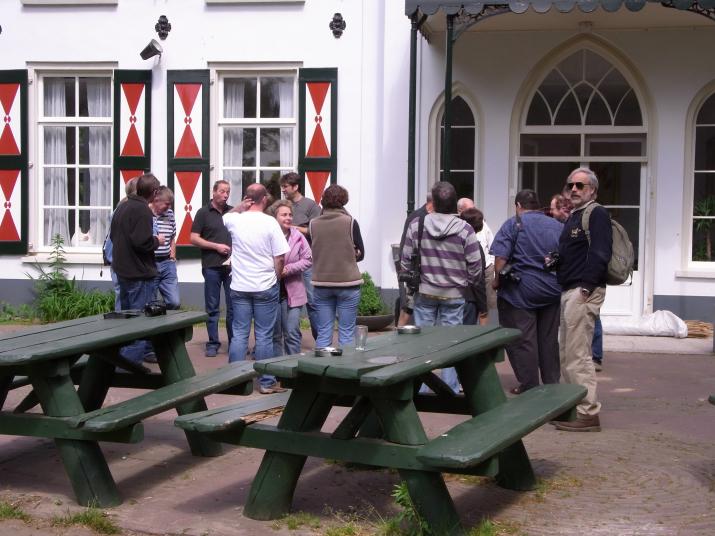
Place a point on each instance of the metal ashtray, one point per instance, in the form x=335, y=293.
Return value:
x=409, y=330
x=328, y=351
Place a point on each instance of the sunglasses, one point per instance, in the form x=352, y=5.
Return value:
x=578, y=185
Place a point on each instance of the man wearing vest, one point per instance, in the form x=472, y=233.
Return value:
x=582, y=272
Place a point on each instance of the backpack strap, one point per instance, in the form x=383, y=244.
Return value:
x=585, y=218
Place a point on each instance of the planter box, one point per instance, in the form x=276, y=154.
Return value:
x=375, y=322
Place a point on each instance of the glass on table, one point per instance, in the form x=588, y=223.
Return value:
x=360, y=337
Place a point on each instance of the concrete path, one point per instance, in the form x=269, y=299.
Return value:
x=650, y=472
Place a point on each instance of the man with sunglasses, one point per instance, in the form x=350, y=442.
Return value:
x=582, y=273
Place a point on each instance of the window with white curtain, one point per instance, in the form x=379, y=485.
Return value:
x=257, y=129
x=75, y=172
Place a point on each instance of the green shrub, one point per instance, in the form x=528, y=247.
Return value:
x=370, y=300
x=59, y=298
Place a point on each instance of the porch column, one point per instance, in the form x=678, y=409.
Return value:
x=411, y=129
x=446, y=164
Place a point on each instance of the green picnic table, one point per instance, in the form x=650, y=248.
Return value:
x=712, y=399
x=383, y=427
x=52, y=358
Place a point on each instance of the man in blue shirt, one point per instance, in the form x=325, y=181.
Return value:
x=529, y=299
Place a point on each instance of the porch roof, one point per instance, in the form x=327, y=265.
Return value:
x=474, y=7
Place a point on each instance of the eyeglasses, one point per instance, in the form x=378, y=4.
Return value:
x=578, y=185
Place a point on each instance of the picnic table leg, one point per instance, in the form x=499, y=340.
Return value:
x=96, y=380
x=401, y=424
x=5, y=382
x=483, y=391
x=84, y=461
x=273, y=486
x=175, y=365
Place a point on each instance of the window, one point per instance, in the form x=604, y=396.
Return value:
x=585, y=113
x=703, y=212
x=257, y=130
x=462, y=148
x=75, y=172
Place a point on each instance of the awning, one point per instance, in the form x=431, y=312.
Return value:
x=430, y=7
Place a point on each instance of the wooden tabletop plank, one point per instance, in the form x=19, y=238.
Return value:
x=83, y=336
x=433, y=341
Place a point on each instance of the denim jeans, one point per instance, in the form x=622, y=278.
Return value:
x=286, y=333
x=115, y=283
x=135, y=294
x=213, y=279
x=310, y=306
x=330, y=301
x=597, y=344
x=167, y=283
x=431, y=312
x=262, y=308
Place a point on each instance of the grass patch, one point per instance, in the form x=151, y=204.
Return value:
x=564, y=485
x=91, y=518
x=9, y=511
x=296, y=521
x=487, y=527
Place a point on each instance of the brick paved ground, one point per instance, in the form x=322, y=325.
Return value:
x=650, y=472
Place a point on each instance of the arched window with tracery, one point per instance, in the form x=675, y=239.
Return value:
x=586, y=113
x=703, y=211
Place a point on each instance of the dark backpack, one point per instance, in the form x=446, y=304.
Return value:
x=620, y=266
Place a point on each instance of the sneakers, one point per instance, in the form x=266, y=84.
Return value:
x=150, y=357
x=211, y=352
x=516, y=390
x=597, y=365
x=583, y=423
x=275, y=388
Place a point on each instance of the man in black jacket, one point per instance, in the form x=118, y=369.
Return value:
x=582, y=275
x=133, y=245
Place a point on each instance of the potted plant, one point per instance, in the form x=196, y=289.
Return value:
x=372, y=311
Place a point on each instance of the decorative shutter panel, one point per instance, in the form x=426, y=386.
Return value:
x=132, y=127
x=188, y=150
x=317, y=129
x=13, y=162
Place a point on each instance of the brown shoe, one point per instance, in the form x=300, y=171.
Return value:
x=275, y=388
x=583, y=423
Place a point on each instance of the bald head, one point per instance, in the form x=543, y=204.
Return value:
x=258, y=194
x=463, y=204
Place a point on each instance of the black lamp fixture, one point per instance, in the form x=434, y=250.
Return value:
x=337, y=25
x=151, y=50
x=163, y=27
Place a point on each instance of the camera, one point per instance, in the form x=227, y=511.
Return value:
x=508, y=275
x=154, y=309
x=411, y=277
x=551, y=261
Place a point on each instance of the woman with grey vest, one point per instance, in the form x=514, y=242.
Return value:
x=337, y=248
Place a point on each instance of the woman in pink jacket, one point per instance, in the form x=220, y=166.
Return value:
x=286, y=332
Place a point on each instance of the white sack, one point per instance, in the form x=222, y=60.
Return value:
x=658, y=324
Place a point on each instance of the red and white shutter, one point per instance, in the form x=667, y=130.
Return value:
x=188, y=150
x=317, y=129
x=13, y=162
x=132, y=127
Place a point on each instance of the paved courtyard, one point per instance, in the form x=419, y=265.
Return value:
x=651, y=470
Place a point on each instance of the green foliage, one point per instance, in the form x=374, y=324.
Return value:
x=9, y=511
x=12, y=314
x=412, y=523
x=370, y=300
x=297, y=520
x=91, y=518
x=59, y=298
x=703, y=251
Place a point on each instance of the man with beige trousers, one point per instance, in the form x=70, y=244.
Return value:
x=582, y=273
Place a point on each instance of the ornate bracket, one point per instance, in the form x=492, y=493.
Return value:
x=695, y=8
x=337, y=25
x=163, y=27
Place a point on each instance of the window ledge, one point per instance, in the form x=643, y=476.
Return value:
x=70, y=258
x=695, y=274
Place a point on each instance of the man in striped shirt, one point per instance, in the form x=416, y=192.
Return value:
x=449, y=260
x=166, y=282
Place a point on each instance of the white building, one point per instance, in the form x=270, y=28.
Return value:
x=249, y=90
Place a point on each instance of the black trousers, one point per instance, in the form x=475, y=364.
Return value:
x=537, y=352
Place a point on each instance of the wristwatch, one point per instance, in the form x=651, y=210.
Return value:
x=584, y=292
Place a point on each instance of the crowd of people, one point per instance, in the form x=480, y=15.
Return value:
x=542, y=272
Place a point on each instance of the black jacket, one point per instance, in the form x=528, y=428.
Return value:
x=581, y=265
x=133, y=240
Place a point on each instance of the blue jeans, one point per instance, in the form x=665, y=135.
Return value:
x=262, y=308
x=310, y=306
x=431, y=312
x=597, y=344
x=167, y=283
x=213, y=279
x=115, y=282
x=286, y=333
x=135, y=294
x=330, y=301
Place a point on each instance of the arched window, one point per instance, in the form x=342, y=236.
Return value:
x=585, y=113
x=703, y=215
x=462, y=171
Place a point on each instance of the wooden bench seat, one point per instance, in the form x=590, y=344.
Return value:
x=230, y=417
x=169, y=396
x=485, y=435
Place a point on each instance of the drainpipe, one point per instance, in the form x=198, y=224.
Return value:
x=446, y=164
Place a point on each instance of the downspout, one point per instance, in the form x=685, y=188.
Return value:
x=446, y=163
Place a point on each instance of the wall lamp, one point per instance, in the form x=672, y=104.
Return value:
x=151, y=50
